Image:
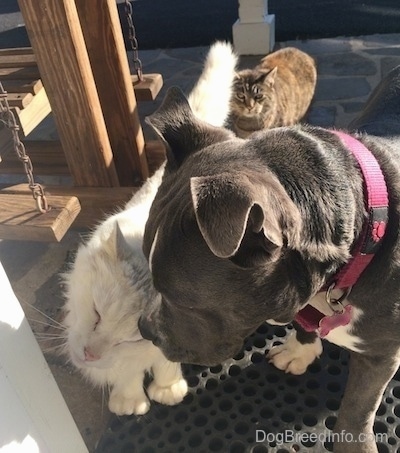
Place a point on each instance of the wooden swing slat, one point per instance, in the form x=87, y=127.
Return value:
x=148, y=88
x=20, y=220
x=22, y=86
x=20, y=100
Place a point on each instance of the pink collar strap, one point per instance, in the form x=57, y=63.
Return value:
x=376, y=205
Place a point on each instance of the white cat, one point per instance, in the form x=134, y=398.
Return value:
x=110, y=282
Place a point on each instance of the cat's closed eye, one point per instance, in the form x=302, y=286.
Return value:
x=240, y=96
x=98, y=319
x=258, y=97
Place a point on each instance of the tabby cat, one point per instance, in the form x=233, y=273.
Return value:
x=277, y=92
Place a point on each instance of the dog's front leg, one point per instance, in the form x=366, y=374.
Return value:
x=368, y=378
x=300, y=349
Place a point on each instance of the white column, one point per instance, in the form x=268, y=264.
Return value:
x=34, y=417
x=254, y=31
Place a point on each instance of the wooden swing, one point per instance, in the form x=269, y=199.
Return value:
x=78, y=66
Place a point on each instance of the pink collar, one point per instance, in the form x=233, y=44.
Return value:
x=376, y=204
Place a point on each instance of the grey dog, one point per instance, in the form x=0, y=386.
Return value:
x=243, y=231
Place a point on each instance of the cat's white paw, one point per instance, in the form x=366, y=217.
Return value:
x=122, y=405
x=294, y=357
x=170, y=395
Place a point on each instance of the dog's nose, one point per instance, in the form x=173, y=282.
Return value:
x=145, y=330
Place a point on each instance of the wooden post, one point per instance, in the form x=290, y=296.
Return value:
x=57, y=40
x=105, y=45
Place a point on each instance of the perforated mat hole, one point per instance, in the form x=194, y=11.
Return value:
x=280, y=331
x=245, y=408
x=229, y=387
x=382, y=448
x=220, y=424
x=272, y=378
x=396, y=392
x=249, y=391
x=390, y=420
x=392, y=441
x=256, y=357
x=310, y=420
x=154, y=432
x=200, y=420
x=234, y=370
x=211, y=384
x=307, y=440
x=380, y=427
x=334, y=354
x=287, y=416
x=216, y=369
x=260, y=343
x=192, y=381
x=239, y=356
x=290, y=398
x=225, y=405
x=233, y=416
x=269, y=394
x=397, y=431
x=332, y=404
x=333, y=387
x=381, y=410
x=310, y=401
x=330, y=422
x=334, y=370
x=397, y=410
x=181, y=417
x=314, y=368
x=252, y=374
x=312, y=384
x=266, y=412
x=174, y=437
x=241, y=428
x=205, y=401
x=389, y=400
x=263, y=329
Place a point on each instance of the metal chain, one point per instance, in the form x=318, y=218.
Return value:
x=7, y=117
x=137, y=64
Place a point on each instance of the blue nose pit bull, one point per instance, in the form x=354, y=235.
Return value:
x=243, y=231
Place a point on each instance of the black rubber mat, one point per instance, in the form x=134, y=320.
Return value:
x=247, y=405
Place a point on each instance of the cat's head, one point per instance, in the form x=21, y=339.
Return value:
x=252, y=91
x=105, y=293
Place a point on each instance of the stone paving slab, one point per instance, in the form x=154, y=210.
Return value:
x=348, y=69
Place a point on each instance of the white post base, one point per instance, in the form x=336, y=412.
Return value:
x=34, y=416
x=254, y=38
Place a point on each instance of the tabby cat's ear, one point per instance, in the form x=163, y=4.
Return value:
x=182, y=133
x=268, y=78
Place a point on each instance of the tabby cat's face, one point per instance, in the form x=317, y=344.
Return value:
x=252, y=93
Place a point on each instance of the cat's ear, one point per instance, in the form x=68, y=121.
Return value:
x=116, y=245
x=183, y=133
x=268, y=78
x=242, y=221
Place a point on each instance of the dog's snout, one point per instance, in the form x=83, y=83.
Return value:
x=145, y=329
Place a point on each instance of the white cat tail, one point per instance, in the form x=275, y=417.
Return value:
x=210, y=97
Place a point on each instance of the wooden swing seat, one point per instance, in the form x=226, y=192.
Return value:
x=20, y=220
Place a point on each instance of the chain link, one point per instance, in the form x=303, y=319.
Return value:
x=137, y=64
x=7, y=117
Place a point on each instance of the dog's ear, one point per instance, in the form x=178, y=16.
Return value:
x=183, y=133
x=246, y=222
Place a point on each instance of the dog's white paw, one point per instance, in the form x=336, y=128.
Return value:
x=294, y=357
x=170, y=395
x=123, y=405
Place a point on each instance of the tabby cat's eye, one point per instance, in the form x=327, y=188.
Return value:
x=240, y=96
